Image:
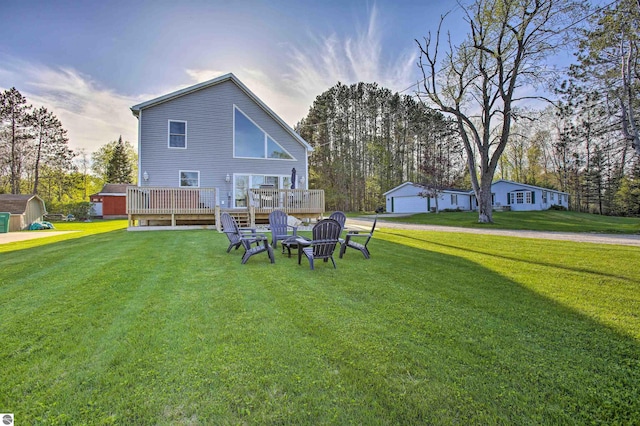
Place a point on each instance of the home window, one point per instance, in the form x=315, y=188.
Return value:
x=528, y=197
x=189, y=178
x=544, y=197
x=250, y=141
x=519, y=197
x=242, y=183
x=553, y=196
x=177, y=134
x=454, y=199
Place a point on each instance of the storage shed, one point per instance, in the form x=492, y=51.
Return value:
x=24, y=209
x=111, y=202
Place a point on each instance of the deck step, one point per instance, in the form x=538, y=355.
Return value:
x=242, y=218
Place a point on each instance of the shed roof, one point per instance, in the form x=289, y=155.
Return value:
x=213, y=82
x=114, y=188
x=16, y=203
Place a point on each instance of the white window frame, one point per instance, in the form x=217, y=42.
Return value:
x=169, y=134
x=454, y=199
x=520, y=197
x=281, y=179
x=528, y=197
x=265, y=141
x=188, y=171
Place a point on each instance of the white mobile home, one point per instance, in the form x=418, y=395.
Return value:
x=523, y=197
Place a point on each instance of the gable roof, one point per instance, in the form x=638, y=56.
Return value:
x=16, y=203
x=213, y=82
x=528, y=186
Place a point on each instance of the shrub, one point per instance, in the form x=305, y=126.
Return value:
x=81, y=209
x=557, y=207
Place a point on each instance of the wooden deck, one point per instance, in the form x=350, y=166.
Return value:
x=187, y=207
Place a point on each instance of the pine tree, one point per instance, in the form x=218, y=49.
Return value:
x=119, y=168
x=50, y=139
x=14, y=113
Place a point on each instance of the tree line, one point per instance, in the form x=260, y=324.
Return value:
x=35, y=157
x=367, y=140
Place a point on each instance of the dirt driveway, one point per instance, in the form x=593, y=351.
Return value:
x=619, y=239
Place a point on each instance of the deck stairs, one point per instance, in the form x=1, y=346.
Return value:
x=242, y=217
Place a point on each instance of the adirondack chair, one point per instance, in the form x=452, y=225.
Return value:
x=341, y=218
x=325, y=235
x=279, y=226
x=349, y=241
x=252, y=242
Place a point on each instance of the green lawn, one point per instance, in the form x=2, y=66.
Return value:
x=549, y=220
x=110, y=326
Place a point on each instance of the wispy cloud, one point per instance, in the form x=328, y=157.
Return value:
x=93, y=115
x=321, y=63
x=361, y=57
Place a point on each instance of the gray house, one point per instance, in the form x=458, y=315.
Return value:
x=218, y=140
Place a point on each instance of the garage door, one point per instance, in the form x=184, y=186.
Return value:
x=409, y=204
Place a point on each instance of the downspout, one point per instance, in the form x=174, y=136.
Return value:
x=140, y=171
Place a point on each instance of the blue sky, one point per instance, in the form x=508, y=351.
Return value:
x=89, y=61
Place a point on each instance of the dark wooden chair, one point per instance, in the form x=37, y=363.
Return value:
x=325, y=235
x=349, y=241
x=278, y=223
x=252, y=242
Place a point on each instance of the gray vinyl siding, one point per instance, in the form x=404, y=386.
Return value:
x=209, y=116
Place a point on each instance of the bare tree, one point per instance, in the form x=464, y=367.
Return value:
x=480, y=80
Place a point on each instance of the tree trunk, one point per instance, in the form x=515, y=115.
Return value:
x=485, y=208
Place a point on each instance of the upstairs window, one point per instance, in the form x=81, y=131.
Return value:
x=177, y=134
x=250, y=141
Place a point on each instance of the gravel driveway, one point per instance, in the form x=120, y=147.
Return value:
x=619, y=239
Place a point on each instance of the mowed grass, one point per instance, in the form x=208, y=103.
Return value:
x=549, y=220
x=437, y=328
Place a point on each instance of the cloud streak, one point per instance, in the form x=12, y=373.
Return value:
x=93, y=115
x=330, y=59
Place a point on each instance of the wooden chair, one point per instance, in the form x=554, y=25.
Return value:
x=325, y=235
x=278, y=223
x=350, y=242
x=252, y=242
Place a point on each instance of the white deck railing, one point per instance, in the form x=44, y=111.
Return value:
x=292, y=201
x=158, y=200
